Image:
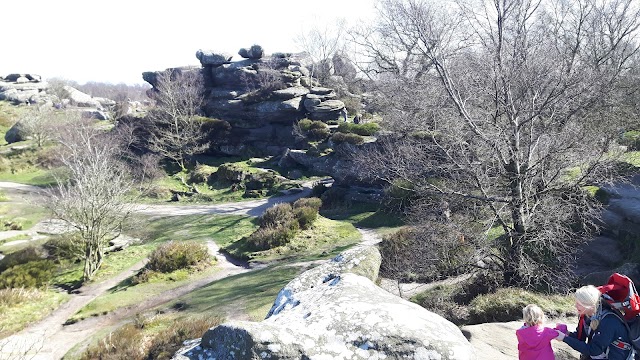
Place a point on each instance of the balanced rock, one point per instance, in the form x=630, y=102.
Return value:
x=255, y=52
x=208, y=57
x=335, y=311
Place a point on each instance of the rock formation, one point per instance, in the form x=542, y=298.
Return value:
x=23, y=89
x=261, y=97
x=335, y=311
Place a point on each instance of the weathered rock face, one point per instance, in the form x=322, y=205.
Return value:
x=335, y=311
x=30, y=89
x=261, y=97
x=23, y=88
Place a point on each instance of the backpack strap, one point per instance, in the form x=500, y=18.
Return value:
x=617, y=343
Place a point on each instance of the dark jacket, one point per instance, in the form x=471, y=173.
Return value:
x=611, y=334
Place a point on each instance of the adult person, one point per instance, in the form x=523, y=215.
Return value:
x=597, y=336
x=344, y=113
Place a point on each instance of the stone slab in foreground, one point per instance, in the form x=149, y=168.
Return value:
x=335, y=311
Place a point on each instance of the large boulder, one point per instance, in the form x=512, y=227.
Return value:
x=335, y=311
x=80, y=99
x=254, y=52
x=208, y=57
x=23, y=89
x=16, y=133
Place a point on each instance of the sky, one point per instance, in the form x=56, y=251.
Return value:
x=115, y=41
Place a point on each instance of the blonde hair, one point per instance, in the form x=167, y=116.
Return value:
x=533, y=315
x=589, y=297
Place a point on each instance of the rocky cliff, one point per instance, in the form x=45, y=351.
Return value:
x=336, y=311
x=263, y=96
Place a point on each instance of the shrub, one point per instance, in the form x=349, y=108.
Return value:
x=201, y=173
x=176, y=255
x=28, y=254
x=318, y=134
x=14, y=296
x=230, y=173
x=277, y=215
x=306, y=215
x=168, y=341
x=318, y=189
x=65, y=247
x=353, y=139
x=306, y=124
x=33, y=274
x=366, y=129
x=124, y=343
x=12, y=225
x=270, y=237
x=157, y=192
x=5, y=164
x=143, y=276
x=312, y=202
x=314, y=130
x=425, y=253
x=440, y=300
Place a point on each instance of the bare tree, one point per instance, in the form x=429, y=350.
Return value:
x=38, y=122
x=90, y=196
x=57, y=88
x=174, y=125
x=508, y=109
x=321, y=44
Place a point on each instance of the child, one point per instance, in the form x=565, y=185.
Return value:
x=534, y=340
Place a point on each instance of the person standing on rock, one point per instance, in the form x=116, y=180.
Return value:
x=344, y=113
x=534, y=340
x=597, y=336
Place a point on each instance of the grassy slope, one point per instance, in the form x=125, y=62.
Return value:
x=247, y=295
x=15, y=317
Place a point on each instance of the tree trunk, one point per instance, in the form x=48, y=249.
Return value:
x=92, y=261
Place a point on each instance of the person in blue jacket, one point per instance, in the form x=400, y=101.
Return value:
x=600, y=334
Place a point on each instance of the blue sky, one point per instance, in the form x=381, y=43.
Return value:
x=116, y=40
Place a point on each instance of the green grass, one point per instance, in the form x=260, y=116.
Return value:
x=222, y=229
x=366, y=216
x=127, y=294
x=11, y=248
x=24, y=214
x=30, y=176
x=321, y=240
x=506, y=305
x=70, y=274
x=16, y=316
x=14, y=238
x=250, y=293
x=211, y=193
x=632, y=158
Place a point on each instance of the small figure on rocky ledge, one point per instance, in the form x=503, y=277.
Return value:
x=357, y=119
x=344, y=113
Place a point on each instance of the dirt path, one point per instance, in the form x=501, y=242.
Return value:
x=251, y=208
x=50, y=339
x=43, y=335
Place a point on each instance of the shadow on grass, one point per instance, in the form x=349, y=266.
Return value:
x=364, y=215
x=122, y=285
x=248, y=291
